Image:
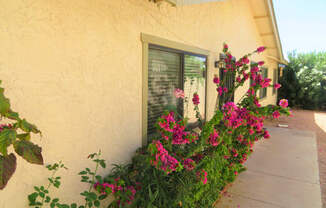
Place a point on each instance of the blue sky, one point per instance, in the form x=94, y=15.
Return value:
x=301, y=24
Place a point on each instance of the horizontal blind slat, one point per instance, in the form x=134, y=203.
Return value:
x=163, y=78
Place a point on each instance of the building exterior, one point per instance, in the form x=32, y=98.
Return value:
x=85, y=72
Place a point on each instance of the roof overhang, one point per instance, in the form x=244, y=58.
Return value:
x=264, y=16
x=187, y=2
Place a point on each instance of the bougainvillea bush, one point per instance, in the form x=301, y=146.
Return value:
x=184, y=167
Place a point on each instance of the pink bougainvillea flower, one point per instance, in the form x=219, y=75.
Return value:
x=213, y=138
x=245, y=60
x=235, y=172
x=245, y=75
x=260, y=63
x=189, y=164
x=284, y=103
x=238, y=79
x=256, y=102
x=219, y=90
x=276, y=114
x=202, y=175
x=216, y=80
x=178, y=93
x=254, y=69
x=261, y=49
x=195, y=99
x=277, y=85
x=163, y=160
x=225, y=89
x=251, y=91
x=251, y=132
x=266, y=82
x=266, y=134
x=225, y=46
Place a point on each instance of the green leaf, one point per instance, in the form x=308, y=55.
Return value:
x=4, y=103
x=29, y=151
x=57, y=184
x=82, y=173
x=26, y=136
x=36, y=188
x=104, y=196
x=42, y=195
x=74, y=205
x=47, y=199
x=32, y=198
x=28, y=127
x=7, y=137
x=92, y=196
x=97, y=203
x=7, y=169
x=102, y=163
x=55, y=200
x=12, y=115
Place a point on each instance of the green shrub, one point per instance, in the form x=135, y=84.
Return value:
x=304, y=80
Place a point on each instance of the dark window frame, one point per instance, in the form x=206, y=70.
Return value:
x=263, y=91
x=182, y=68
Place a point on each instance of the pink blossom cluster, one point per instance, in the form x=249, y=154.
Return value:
x=277, y=85
x=221, y=90
x=214, y=138
x=234, y=117
x=216, y=80
x=284, y=103
x=106, y=188
x=162, y=159
x=5, y=126
x=178, y=93
x=195, y=99
x=169, y=127
x=202, y=175
x=276, y=114
x=189, y=164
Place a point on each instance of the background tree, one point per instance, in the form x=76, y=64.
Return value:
x=304, y=80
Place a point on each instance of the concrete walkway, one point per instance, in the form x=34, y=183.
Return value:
x=282, y=172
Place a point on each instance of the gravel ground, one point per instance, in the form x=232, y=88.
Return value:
x=311, y=121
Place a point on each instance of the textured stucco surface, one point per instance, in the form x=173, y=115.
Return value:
x=74, y=68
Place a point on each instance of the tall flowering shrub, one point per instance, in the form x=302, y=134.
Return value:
x=182, y=167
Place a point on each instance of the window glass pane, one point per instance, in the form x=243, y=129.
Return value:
x=263, y=91
x=229, y=84
x=194, y=81
x=164, y=75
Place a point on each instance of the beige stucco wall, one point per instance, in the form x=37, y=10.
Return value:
x=74, y=68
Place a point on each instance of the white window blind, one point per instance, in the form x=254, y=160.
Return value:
x=169, y=69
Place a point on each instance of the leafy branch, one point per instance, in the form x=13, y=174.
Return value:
x=41, y=197
x=18, y=134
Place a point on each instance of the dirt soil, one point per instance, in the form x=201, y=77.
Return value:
x=305, y=120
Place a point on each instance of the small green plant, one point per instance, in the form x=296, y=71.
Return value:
x=16, y=134
x=42, y=198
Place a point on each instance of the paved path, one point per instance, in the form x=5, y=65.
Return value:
x=282, y=172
